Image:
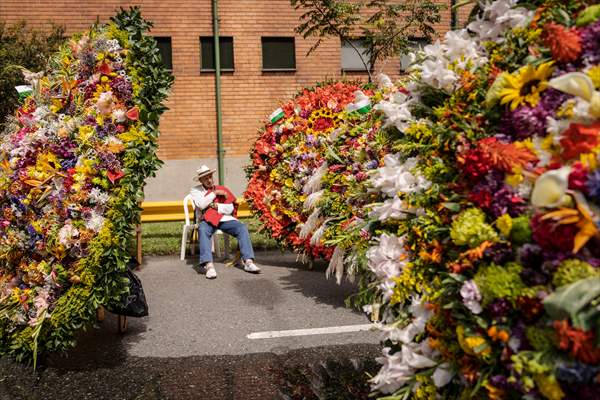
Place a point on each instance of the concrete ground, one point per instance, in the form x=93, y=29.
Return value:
x=195, y=345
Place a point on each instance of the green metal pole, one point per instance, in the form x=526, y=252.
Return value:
x=220, y=150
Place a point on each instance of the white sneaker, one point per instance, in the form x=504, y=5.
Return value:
x=211, y=273
x=249, y=266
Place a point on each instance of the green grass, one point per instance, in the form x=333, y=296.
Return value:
x=164, y=238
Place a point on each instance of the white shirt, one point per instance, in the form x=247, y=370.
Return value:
x=203, y=200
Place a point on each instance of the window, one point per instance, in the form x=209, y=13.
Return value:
x=207, y=53
x=416, y=44
x=278, y=54
x=164, y=47
x=351, y=60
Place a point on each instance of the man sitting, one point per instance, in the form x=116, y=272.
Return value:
x=218, y=210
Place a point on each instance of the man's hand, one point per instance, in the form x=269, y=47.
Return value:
x=220, y=192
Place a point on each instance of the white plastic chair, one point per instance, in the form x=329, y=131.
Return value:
x=190, y=230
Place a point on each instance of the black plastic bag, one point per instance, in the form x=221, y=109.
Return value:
x=133, y=304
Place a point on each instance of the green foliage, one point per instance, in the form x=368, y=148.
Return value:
x=386, y=26
x=521, y=231
x=471, y=229
x=540, y=339
x=570, y=271
x=495, y=282
x=21, y=46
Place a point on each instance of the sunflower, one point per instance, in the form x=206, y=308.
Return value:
x=526, y=85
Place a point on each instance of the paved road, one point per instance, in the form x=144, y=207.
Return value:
x=191, y=315
x=193, y=345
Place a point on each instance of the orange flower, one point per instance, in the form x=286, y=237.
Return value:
x=581, y=343
x=565, y=44
x=579, y=139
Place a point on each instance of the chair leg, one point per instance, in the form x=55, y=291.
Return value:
x=217, y=244
x=184, y=236
x=226, y=245
x=193, y=241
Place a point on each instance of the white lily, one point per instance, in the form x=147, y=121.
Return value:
x=388, y=258
x=550, y=188
x=580, y=85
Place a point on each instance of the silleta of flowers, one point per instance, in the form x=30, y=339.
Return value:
x=73, y=162
x=480, y=250
x=291, y=157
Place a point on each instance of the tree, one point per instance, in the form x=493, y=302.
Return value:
x=386, y=26
x=21, y=46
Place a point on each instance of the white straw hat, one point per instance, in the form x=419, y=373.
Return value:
x=203, y=171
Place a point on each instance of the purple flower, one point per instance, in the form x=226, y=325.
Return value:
x=576, y=373
x=593, y=185
x=499, y=308
x=499, y=381
x=534, y=277
x=590, y=39
x=524, y=122
x=471, y=296
x=530, y=256
x=506, y=201
x=518, y=337
x=121, y=88
x=499, y=253
x=527, y=121
x=371, y=164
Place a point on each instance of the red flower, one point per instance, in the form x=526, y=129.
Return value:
x=552, y=236
x=482, y=198
x=114, y=176
x=565, y=44
x=133, y=113
x=578, y=177
x=581, y=343
x=105, y=69
x=579, y=139
x=531, y=308
x=476, y=164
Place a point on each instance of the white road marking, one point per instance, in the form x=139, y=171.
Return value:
x=313, y=331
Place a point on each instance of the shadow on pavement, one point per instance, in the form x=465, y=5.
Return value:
x=314, y=285
x=256, y=376
x=100, y=346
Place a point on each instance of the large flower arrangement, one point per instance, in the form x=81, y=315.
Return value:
x=290, y=158
x=483, y=270
x=478, y=256
x=73, y=164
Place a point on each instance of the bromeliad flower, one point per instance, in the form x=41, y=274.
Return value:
x=525, y=86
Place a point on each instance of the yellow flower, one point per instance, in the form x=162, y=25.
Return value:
x=504, y=224
x=548, y=385
x=526, y=85
x=589, y=161
x=594, y=74
x=472, y=345
x=85, y=132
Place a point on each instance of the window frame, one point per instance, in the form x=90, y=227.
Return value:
x=353, y=52
x=211, y=40
x=158, y=40
x=292, y=40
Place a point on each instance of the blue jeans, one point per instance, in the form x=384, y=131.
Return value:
x=234, y=228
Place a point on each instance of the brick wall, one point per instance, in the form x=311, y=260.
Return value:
x=248, y=94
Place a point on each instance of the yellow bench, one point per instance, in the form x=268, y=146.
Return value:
x=158, y=211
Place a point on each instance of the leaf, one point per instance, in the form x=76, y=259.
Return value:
x=570, y=300
x=33, y=182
